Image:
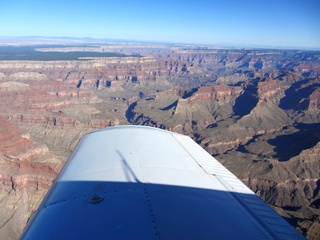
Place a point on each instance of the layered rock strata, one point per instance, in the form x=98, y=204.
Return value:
x=256, y=111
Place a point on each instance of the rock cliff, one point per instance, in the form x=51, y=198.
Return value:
x=256, y=111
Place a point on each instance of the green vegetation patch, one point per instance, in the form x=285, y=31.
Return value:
x=30, y=53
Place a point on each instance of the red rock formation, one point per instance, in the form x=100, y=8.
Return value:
x=271, y=89
x=314, y=104
x=219, y=93
x=233, y=102
x=26, y=167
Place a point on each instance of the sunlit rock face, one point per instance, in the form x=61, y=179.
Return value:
x=27, y=168
x=256, y=111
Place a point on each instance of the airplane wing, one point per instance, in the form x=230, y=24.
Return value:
x=135, y=182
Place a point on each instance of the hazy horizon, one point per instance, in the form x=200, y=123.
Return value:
x=278, y=24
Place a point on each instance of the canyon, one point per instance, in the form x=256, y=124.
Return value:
x=257, y=111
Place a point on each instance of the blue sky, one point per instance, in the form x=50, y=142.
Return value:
x=280, y=23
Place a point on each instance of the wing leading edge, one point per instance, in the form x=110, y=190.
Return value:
x=134, y=182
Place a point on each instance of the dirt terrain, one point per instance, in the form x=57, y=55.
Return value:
x=257, y=111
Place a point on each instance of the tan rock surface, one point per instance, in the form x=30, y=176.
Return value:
x=257, y=111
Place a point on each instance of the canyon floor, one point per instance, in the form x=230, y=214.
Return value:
x=257, y=111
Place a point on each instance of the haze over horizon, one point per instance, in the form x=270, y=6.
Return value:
x=283, y=23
